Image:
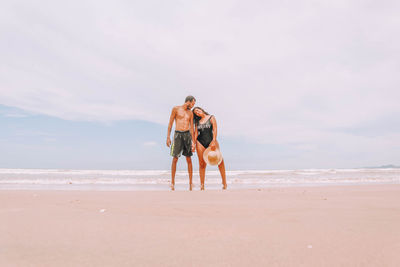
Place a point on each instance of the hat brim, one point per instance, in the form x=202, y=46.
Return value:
x=219, y=155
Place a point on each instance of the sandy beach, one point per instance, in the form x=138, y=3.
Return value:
x=298, y=226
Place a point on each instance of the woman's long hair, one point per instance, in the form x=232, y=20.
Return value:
x=196, y=118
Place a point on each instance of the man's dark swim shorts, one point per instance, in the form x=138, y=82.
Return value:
x=182, y=144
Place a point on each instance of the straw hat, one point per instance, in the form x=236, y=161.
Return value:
x=212, y=157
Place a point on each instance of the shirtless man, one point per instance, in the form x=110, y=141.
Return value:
x=183, y=137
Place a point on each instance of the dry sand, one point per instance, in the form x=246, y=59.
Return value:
x=303, y=226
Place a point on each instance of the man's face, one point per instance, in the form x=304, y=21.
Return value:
x=191, y=104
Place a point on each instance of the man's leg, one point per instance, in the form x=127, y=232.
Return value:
x=190, y=171
x=173, y=171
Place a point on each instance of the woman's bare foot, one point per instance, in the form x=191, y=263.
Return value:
x=172, y=187
x=202, y=187
x=190, y=187
x=224, y=186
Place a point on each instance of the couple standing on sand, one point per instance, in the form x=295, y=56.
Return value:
x=194, y=130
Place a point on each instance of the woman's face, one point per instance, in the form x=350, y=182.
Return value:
x=198, y=112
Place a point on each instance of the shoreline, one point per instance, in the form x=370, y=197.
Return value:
x=280, y=226
x=164, y=187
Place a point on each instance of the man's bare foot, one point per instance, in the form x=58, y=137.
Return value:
x=190, y=187
x=202, y=187
x=224, y=186
x=172, y=187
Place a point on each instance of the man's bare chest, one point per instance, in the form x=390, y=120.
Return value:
x=183, y=115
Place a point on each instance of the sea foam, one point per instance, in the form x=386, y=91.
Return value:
x=160, y=179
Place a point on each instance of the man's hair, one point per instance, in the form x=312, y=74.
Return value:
x=190, y=98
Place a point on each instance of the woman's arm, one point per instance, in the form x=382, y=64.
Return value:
x=196, y=133
x=215, y=131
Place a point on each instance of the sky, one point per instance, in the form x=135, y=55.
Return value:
x=292, y=84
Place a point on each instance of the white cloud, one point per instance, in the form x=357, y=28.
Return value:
x=10, y=112
x=150, y=143
x=33, y=133
x=271, y=71
x=14, y=115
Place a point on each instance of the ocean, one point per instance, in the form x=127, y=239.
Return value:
x=133, y=180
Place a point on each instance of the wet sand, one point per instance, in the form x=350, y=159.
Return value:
x=298, y=226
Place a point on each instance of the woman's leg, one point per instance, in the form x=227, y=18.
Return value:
x=221, y=168
x=202, y=164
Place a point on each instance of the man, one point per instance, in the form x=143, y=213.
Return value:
x=183, y=137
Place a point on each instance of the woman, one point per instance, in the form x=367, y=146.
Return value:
x=206, y=135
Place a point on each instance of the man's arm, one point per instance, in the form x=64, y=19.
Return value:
x=171, y=121
x=191, y=130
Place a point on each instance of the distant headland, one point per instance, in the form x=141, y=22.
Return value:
x=389, y=166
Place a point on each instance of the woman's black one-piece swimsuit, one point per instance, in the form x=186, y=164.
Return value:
x=205, y=131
